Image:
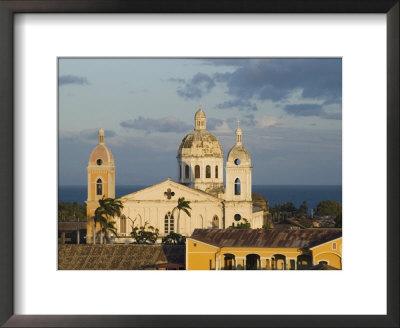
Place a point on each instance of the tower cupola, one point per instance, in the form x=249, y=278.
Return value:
x=101, y=137
x=200, y=120
x=238, y=135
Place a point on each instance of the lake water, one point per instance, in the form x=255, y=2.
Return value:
x=275, y=194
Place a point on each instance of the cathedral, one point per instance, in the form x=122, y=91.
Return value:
x=200, y=180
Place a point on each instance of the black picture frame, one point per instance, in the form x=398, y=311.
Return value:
x=10, y=7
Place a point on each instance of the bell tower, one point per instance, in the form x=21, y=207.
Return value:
x=238, y=182
x=101, y=180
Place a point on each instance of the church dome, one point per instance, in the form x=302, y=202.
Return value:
x=200, y=142
x=101, y=155
x=238, y=152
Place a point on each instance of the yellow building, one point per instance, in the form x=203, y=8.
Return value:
x=250, y=249
x=101, y=180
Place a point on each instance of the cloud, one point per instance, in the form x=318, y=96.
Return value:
x=72, y=79
x=276, y=79
x=238, y=103
x=195, y=88
x=332, y=116
x=212, y=123
x=304, y=109
x=178, y=80
x=311, y=110
x=88, y=136
x=165, y=124
x=252, y=122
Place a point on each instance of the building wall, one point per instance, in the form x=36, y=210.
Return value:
x=199, y=255
x=244, y=174
x=153, y=212
x=244, y=209
x=329, y=253
x=201, y=183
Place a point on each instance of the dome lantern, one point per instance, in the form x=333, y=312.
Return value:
x=101, y=137
x=200, y=120
x=238, y=135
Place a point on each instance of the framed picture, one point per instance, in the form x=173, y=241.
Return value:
x=31, y=282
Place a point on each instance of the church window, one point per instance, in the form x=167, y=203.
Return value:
x=215, y=222
x=208, y=172
x=99, y=161
x=237, y=186
x=237, y=217
x=99, y=187
x=237, y=161
x=216, y=172
x=187, y=172
x=197, y=172
x=166, y=224
x=122, y=224
x=171, y=224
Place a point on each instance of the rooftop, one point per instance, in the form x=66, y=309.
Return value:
x=304, y=238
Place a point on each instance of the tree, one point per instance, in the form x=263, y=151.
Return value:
x=338, y=221
x=183, y=205
x=242, y=225
x=266, y=226
x=146, y=234
x=303, y=209
x=329, y=207
x=289, y=207
x=109, y=208
x=174, y=239
x=71, y=211
x=305, y=222
x=108, y=228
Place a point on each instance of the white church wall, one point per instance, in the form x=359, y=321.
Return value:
x=244, y=209
x=154, y=213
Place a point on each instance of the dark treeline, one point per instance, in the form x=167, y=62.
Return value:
x=71, y=211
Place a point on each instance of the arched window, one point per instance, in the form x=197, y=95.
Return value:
x=216, y=172
x=166, y=224
x=237, y=186
x=99, y=187
x=169, y=223
x=180, y=172
x=122, y=224
x=215, y=222
x=187, y=172
x=197, y=172
x=208, y=172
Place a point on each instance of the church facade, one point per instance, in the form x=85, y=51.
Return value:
x=200, y=180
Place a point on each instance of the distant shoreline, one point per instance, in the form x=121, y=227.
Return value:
x=276, y=194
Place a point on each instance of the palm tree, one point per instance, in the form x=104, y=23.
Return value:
x=109, y=208
x=107, y=229
x=183, y=205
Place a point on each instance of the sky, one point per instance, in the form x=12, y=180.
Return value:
x=290, y=112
